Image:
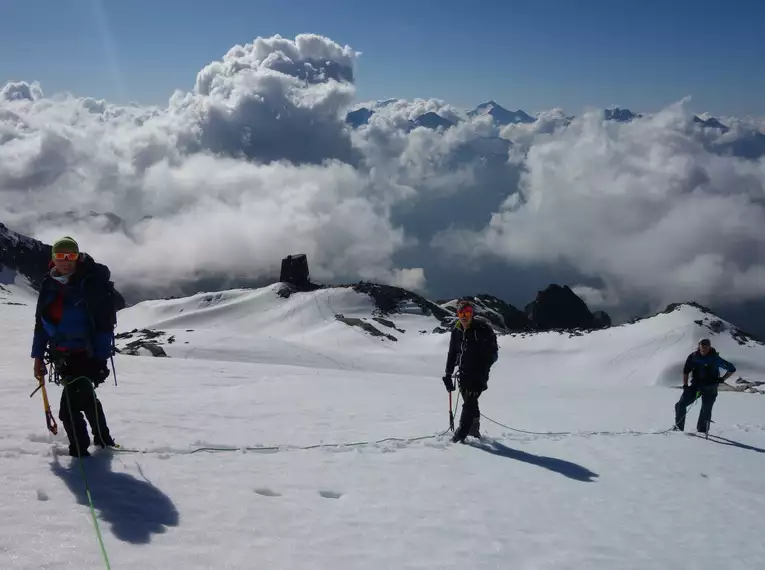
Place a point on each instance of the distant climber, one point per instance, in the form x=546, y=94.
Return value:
x=473, y=350
x=703, y=365
x=74, y=328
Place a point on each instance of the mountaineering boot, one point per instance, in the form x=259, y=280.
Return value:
x=105, y=443
x=475, y=428
x=469, y=418
x=83, y=452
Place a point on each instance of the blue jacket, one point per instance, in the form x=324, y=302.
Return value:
x=85, y=312
x=705, y=370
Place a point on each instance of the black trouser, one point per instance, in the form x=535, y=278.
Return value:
x=708, y=397
x=79, y=397
x=470, y=419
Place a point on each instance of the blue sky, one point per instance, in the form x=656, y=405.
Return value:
x=524, y=54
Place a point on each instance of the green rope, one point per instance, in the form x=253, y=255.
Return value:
x=82, y=471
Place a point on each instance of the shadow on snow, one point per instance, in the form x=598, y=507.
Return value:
x=135, y=509
x=567, y=468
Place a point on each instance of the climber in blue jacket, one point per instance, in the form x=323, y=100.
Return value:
x=74, y=328
x=703, y=366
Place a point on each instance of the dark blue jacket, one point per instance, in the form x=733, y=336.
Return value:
x=86, y=316
x=705, y=370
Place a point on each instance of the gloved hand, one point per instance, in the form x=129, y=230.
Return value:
x=39, y=369
x=100, y=371
x=448, y=382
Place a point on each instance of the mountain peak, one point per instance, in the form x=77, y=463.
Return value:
x=359, y=117
x=711, y=122
x=711, y=323
x=620, y=115
x=431, y=120
x=500, y=115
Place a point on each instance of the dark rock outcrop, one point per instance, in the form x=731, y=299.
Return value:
x=717, y=327
x=513, y=319
x=602, y=319
x=559, y=308
x=295, y=270
x=750, y=386
x=134, y=349
x=25, y=255
x=147, y=339
x=368, y=327
x=672, y=307
x=295, y=275
x=389, y=300
x=389, y=324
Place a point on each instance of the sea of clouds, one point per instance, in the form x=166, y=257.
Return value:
x=258, y=162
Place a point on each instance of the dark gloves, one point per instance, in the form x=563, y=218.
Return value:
x=448, y=382
x=100, y=371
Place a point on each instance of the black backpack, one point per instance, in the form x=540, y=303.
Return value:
x=111, y=302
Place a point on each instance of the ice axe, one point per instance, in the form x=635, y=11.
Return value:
x=451, y=413
x=49, y=421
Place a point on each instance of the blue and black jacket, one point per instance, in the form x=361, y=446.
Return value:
x=705, y=370
x=78, y=315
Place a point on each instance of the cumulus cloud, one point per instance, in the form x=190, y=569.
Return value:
x=434, y=178
x=643, y=206
x=399, y=110
x=254, y=164
x=547, y=122
x=274, y=99
x=257, y=161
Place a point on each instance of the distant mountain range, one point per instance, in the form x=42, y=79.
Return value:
x=432, y=120
x=502, y=117
x=748, y=143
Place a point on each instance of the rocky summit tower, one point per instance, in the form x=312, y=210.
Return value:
x=295, y=271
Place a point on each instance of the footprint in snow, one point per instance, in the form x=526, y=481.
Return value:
x=267, y=492
x=330, y=494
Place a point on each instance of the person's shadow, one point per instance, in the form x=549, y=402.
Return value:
x=567, y=468
x=135, y=509
x=725, y=441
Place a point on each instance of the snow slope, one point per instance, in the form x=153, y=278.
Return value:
x=285, y=374
x=259, y=326
x=15, y=288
